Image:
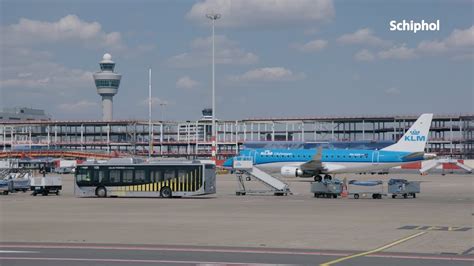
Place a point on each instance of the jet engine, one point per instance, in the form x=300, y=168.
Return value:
x=292, y=171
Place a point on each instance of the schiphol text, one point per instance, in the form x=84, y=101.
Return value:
x=414, y=26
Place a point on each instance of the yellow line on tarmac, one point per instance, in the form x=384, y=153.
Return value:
x=374, y=250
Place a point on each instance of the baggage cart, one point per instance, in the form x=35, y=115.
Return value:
x=21, y=184
x=19, y=181
x=403, y=188
x=327, y=188
x=366, y=189
x=46, y=185
x=5, y=187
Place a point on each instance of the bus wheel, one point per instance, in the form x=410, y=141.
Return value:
x=166, y=192
x=101, y=192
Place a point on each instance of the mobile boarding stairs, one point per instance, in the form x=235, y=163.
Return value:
x=245, y=170
x=436, y=162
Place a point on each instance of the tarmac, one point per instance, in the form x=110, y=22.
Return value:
x=433, y=229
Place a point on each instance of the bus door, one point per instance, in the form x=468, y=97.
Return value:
x=98, y=176
x=375, y=157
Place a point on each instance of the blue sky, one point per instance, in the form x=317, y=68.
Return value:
x=284, y=58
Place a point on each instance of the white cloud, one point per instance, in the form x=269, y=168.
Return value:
x=398, y=52
x=252, y=13
x=186, y=83
x=45, y=76
x=392, y=91
x=458, y=40
x=363, y=36
x=226, y=52
x=461, y=57
x=155, y=101
x=312, y=46
x=269, y=74
x=69, y=28
x=364, y=55
x=458, y=45
x=75, y=107
x=311, y=31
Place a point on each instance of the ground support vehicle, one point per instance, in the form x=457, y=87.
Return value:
x=20, y=184
x=46, y=185
x=366, y=189
x=403, y=188
x=327, y=188
x=5, y=187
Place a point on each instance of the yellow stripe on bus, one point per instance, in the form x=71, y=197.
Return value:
x=191, y=183
x=188, y=182
x=199, y=180
x=195, y=183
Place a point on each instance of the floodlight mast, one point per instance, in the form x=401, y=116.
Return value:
x=213, y=17
x=150, y=127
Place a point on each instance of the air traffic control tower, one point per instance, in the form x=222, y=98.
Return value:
x=107, y=83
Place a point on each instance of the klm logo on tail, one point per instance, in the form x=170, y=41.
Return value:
x=414, y=136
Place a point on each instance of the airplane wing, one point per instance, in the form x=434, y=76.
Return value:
x=315, y=163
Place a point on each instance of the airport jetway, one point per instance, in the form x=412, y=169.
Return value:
x=429, y=165
x=245, y=171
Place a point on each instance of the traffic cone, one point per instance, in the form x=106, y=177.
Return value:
x=344, y=192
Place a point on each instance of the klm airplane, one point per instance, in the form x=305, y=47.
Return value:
x=321, y=163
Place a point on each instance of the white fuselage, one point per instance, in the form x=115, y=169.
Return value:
x=334, y=168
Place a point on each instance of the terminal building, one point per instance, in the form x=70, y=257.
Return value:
x=22, y=114
x=450, y=136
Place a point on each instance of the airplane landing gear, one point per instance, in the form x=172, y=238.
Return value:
x=327, y=177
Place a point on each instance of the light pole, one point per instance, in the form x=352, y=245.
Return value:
x=150, y=128
x=213, y=17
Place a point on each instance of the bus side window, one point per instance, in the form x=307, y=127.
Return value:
x=168, y=174
x=102, y=177
x=99, y=177
x=83, y=176
x=140, y=176
x=182, y=173
x=114, y=176
x=127, y=176
x=155, y=176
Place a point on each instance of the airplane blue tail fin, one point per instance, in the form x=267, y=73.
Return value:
x=415, y=138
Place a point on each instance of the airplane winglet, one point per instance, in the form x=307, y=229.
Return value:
x=315, y=164
x=318, y=156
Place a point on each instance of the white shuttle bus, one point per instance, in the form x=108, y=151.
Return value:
x=131, y=177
